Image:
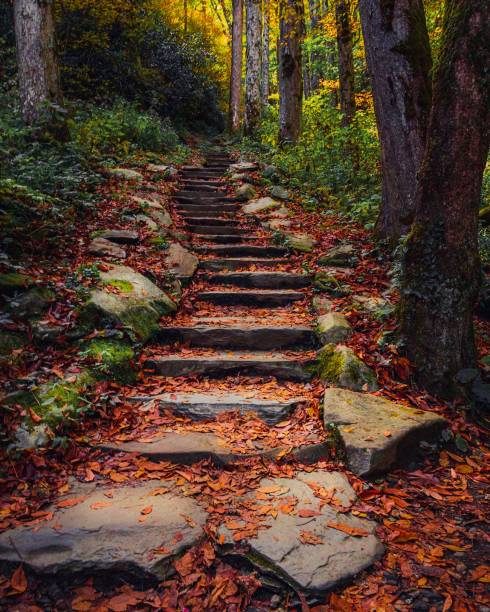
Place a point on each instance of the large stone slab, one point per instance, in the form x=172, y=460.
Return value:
x=106, y=248
x=129, y=299
x=126, y=174
x=120, y=236
x=181, y=262
x=301, y=242
x=260, y=205
x=377, y=433
x=135, y=531
x=333, y=327
x=283, y=550
x=243, y=166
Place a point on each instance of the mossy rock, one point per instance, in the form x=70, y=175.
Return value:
x=328, y=283
x=138, y=310
x=12, y=282
x=338, y=366
x=123, y=286
x=31, y=304
x=333, y=327
x=114, y=359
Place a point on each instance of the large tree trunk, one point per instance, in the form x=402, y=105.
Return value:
x=236, y=66
x=346, y=60
x=442, y=267
x=253, y=100
x=291, y=33
x=265, y=53
x=36, y=57
x=399, y=60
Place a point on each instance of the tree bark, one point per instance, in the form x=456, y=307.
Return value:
x=399, y=61
x=36, y=56
x=346, y=60
x=441, y=265
x=253, y=100
x=291, y=33
x=265, y=53
x=236, y=66
x=315, y=14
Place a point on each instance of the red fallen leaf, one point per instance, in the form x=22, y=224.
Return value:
x=19, y=581
x=147, y=510
x=480, y=574
x=99, y=505
x=308, y=537
x=120, y=603
x=353, y=531
x=35, y=417
x=68, y=503
x=306, y=513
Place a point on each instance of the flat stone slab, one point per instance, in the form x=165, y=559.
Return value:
x=102, y=247
x=378, y=433
x=243, y=166
x=180, y=261
x=186, y=448
x=120, y=236
x=310, y=546
x=130, y=530
x=206, y=406
x=333, y=327
x=126, y=174
x=234, y=263
x=257, y=298
x=251, y=363
x=261, y=280
x=237, y=250
x=260, y=205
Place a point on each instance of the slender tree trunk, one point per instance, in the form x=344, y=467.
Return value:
x=399, y=60
x=346, y=60
x=36, y=57
x=236, y=66
x=253, y=101
x=265, y=53
x=442, y=267
x=186, y=16
x=315, y=14
x=291, y=34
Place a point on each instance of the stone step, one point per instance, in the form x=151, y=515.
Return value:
x=229, y=230
x=258, y=298
x=239, y=262
x=204, y=175
x=207, y=406
x=199, y=195
x=199, y=200
x=239, y=337
x=202, y=187
x=239, y=250
x=223, y=238
x=212, y=214
x=260, y=280
x=231, y=363
x=210, y=221
x=203, y=208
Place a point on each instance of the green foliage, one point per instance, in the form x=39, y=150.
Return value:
x=339, y=166
x=113, y=359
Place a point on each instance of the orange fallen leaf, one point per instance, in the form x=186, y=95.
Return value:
x=68, y=503
x=353, y=531
x=99, y=505
x=19, y=581
x=147, y=510
x=308, y=537
x=306, y=513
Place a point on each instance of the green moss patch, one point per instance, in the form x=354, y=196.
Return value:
x=114, y=359
x=123, y=285
x=12, y=282
x=339, y=366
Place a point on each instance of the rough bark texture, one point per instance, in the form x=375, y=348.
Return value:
x=442, y=267
x=315, y=14
x=291, y=33
x=265, y=53
x=36, y=56
x=399, y=60
x=346, y=61
x=236, y=66
x=253, y=100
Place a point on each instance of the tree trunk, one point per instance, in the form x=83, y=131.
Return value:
x=291, y=33
x=236, y=66
x=442, y=267
x=315, y=14
x=265, y=53
x=36, y=57
x=399, y=60
x=253, y=101
x=346, y=60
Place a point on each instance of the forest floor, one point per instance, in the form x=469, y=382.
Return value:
x=431, y=516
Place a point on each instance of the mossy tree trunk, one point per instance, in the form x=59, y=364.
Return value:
x=346, y=60
x=36, y=56
x=399, y=60
x=441, y=267
x=265, y=52
x=291, y=34
x=253, y=102
x=236, y=66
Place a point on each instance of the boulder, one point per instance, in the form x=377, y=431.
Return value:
x=278, y=224
x=310, y=543
x=43, y=332
x=259, y=205
x=376, y=432
x=239, y=177
x=113, y=359
x=339, y=366
x=105, y=248
x=326, y=282
x=243, y=166
x=32, y=303
x=333, y=327
x=161, y=217
x=246, y=192
x=126, y=174
x=132, y=530
x=280, y=213
x=279, y=192
x=269, y=172
x=379, y=307
x=321, y=304
x=119, y=236
x=300, y=242
x=144, y=220
x=158, y=168
x=181, y=262
x=340, y=256
x=138, y=304
x=147, y=202
x=13, y=282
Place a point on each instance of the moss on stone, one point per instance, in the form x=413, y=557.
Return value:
x=123, y=285
x=338, y=365
x=327, y=282
x=114, y=358
x=12, y=282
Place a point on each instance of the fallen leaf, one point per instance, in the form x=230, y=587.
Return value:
x=19, y=581
x=353, y=531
